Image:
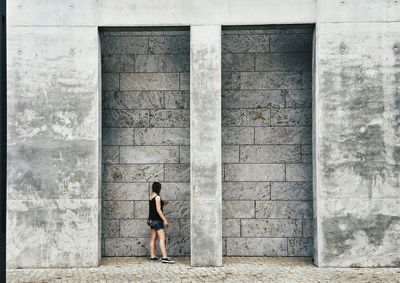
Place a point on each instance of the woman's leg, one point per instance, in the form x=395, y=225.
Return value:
x=161, y=236
x=153, y=238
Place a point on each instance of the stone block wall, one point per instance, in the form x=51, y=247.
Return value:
x=266, y=141
x=145, y=137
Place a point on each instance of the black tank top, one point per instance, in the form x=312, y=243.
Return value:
x=153, y=214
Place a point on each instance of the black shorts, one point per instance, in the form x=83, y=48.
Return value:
x=155, y=224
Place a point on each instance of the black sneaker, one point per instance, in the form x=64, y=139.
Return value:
x=167, y=260
x=155, y=258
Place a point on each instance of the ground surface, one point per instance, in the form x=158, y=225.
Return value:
x=235, y=269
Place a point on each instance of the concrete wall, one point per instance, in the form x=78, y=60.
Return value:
x=52, y=140
x=357, y=138
x=53, y=119
x=266, y=125
x=145, y=137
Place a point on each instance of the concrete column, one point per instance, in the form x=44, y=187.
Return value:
x=205, y=146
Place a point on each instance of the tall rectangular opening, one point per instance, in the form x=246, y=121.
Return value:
x=145, y=124
x=267, y=140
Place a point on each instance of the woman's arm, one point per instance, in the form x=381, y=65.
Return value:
x=158, y=207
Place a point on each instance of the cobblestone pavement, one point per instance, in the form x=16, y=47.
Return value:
x=235, y=269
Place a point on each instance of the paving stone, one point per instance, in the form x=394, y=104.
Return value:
x=283, y=135
x=130, y=173
x=125, y=118
x=249, y=43
x=299, y=172
x=134, y=228
x=237, y=62
x=124, y=45
x=230, y=227
x=126, y=246
x=149, y=81
x=237, y=135
x=245, y=117
x=253, y=98
x=291, y=42
x=110, y=81
x=257, y=246
x=117, y=136
x=271, y=228
x=291, y=191
x=299, y=98
x=133, y=100
x=291, y=117
x=175, y=191
x=177, y=99
x=230, y=154
x=270, y=153
x=110, y=154
x=230, y=81
x=283, y=209
x=254, y=172
x=270, y=80
x=162, y=63
x=149, y=154
x=300, y=247
x=174, y=44
x=117, y=63
x=117, y=209
x=184, y=81
x=110, y=228
x=308, y=228
x=170, y=118
x=162, y=136
x=177, y=172
x=283, y=61
x=297, y=29
x=238, y=209
x=235, y=269
x=177, y=209
x=125, y=191
x=246, y=190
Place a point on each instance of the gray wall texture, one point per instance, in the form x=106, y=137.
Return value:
x=266, y=137
x=145, y=137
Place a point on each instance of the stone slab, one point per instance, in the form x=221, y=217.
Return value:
x=246, y=190
x=284, y=209
x=271, y=228
x=257, y=246
x=149, y=81
x=149, y=154
x=254, y=172
x=270, y=154
x=162, y=136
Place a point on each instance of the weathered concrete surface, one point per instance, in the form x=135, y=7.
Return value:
x=156, y=13
x=357, y=140
x=205, y=141
x=52, y=140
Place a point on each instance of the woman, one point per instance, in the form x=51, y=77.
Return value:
x=157, y=221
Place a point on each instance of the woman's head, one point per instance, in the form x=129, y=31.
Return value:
x=156, y=187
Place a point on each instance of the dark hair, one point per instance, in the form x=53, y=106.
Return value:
x=156, y=187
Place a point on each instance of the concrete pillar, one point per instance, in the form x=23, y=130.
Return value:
x=205, y=149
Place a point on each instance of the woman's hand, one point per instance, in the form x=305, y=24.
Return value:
x=166, y=224
x=165, y=201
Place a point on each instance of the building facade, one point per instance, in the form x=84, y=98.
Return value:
x=272, y=125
